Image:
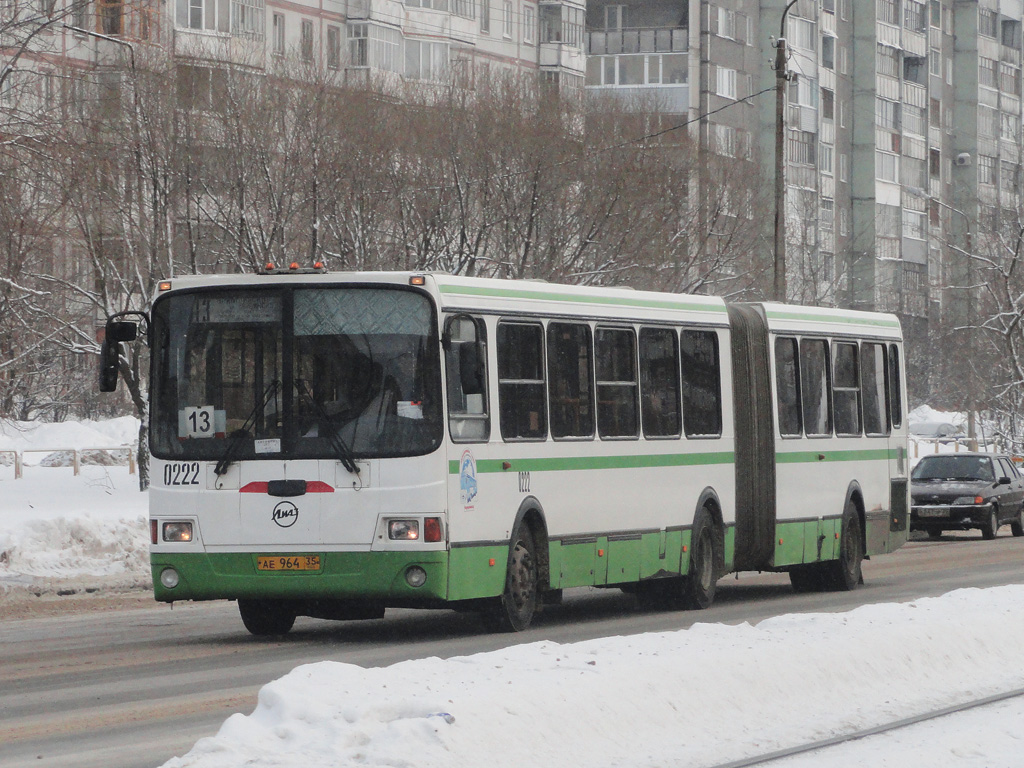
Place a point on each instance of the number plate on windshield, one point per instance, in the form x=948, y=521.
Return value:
x=288, y=562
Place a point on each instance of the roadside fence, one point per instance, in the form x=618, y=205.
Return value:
x=78, y=457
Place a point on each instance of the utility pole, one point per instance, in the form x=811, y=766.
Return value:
x=782, y=78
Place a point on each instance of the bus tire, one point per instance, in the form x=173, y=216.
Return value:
x=266, y=617
x=806, y=578
x=844, y=574
x=698, y=587
x=514, y=610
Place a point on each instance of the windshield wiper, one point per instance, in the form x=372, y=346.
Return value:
x=341, y=449
x=235, y=438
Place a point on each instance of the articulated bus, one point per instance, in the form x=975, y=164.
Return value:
x=331, y=445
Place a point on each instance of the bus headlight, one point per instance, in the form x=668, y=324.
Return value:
x=178, y=531
x=169, y=578
x=404, y=530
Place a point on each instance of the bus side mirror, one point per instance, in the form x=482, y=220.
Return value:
x=114, y=333
x=110, y=358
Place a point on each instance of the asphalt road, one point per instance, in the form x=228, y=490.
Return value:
x=133, y=688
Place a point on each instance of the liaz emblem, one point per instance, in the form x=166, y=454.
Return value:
x=285, y=514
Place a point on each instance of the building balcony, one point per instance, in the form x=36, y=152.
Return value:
x=638, y=40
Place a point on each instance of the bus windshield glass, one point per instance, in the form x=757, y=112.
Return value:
x=327, y=372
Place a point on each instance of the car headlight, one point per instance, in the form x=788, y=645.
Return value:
x=970, y=500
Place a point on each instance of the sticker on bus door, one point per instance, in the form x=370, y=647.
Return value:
x=467, y=479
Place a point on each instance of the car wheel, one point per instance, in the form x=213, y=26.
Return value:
x=1017, y=526
x=698, y=587
x=991, y=527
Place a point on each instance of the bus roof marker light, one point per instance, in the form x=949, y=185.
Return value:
x=164, y=285
x=418, y=280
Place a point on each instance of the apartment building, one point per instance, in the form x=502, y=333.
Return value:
x=425, y=41
x=902, y=130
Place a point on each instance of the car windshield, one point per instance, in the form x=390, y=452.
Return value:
x=954, y=468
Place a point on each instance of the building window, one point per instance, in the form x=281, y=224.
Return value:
x=987, y=72
x=507, y=22
x=828, y=52
x=727, y=23
x=200, y=14
x=988, y=22
x=844, y=168
x=426, y=61
x=357, y=45
x=889, y=11
x=914, y=225
x=887, y=114
x=306, y=40
x=803, y=147
x=726, y=82
x=887, y=166
x=914, y=16
x=888, y=61
x=1010, y=33
x=986, y=170
x=485, y=16
x=278, y=34
x=614, y=17
x=248, y=18
x=915, y=69
x=334, y=47
x=529, y=24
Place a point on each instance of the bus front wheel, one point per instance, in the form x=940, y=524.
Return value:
x=514, y=610
x=266, y=617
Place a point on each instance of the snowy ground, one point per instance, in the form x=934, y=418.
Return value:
x=698, y=697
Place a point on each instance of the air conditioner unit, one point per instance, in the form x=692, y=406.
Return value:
x=964, y=158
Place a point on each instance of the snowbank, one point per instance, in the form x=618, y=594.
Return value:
x=697, y=697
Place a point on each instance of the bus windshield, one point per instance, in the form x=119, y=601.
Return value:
x=305, y=372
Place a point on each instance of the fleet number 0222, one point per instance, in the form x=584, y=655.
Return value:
x=181, y=473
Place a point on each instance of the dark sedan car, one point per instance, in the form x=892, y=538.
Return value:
x=957, y=491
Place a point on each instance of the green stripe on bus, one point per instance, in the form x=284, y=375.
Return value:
x=878, y=322
x=573, y=463
x=522, y=293
x=867, y=454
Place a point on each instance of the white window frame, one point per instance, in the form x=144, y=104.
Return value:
x=529, y=24
x=507, y=23
x=725, y=82
x=277, y=33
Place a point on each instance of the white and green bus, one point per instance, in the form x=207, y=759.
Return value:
x=332, y=445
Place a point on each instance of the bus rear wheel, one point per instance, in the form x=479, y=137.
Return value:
x=698, y=588
x=266, y=617
x=514, y=610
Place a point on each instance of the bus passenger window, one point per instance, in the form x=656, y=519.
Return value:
x=702, y=384
x=846, y=389
x=895, y=386
x=873, y=386
x=617, y=387
x=570, y=372
x=659, y=383
x=521, y=408
x=466, y=365
x=787, y=392
x=814, y=387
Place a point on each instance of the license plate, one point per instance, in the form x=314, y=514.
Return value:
x=933, y=512
x=288, y=562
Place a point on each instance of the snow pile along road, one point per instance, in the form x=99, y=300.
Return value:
x=696, y=697
x=59, y=530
